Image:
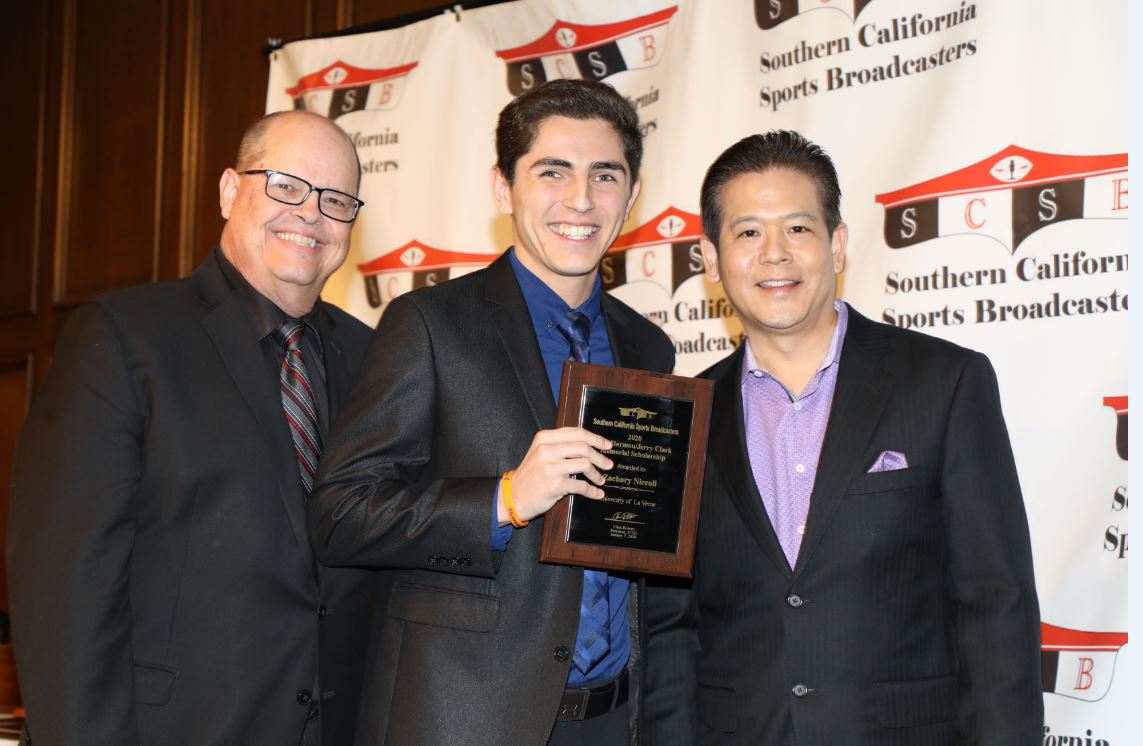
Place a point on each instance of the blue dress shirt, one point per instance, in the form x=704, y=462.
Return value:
x=545, y=308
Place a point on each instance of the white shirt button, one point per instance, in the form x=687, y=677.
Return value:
x=800, y=468
x=797, y=406
x=802, y=529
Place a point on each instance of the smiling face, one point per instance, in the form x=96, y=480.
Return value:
x=286, y=252
x=569, y=198
x=775, y=257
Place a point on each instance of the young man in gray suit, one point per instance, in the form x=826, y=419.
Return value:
x=445, y=459
x=163, y=589
x=863, y=572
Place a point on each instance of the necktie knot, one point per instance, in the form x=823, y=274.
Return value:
x=289, y=334
x=576, y=328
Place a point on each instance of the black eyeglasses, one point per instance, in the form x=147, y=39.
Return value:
x=292, y=190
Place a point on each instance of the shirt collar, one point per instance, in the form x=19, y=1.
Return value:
x=833, y=353
x=544, y=304
x=263, y=312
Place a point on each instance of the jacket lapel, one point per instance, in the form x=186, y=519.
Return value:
x=513, y=325
x=228, y=325
x=864, y=382
x=727, y=449
x=626, y=350
x=336, y=369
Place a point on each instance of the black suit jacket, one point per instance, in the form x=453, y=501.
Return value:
x=163, y=588
x=910, y=617
x=470, y=646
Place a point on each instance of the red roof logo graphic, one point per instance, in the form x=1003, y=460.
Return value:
x=770, y=13
x=341, y=88
x=1007, y=197
x=669, y=226
x=421, y=257
x=1078, y=664
x=572, y=50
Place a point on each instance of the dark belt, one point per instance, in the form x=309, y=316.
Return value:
x=586, y=703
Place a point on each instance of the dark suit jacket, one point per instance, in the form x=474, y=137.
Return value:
x=911, y=615
x=470, y=646
x=163, y=588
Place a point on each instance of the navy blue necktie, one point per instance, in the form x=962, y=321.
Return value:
x=592, y=641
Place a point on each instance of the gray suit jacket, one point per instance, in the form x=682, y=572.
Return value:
x=163, y=588
x=910, y=618
x=470, y=646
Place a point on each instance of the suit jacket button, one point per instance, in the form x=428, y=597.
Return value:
x=304, y=696
x=800, y=690
x=322, y=611
x=794, y=600
x=561, y=654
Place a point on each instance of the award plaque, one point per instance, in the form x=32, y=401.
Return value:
x=657, y=425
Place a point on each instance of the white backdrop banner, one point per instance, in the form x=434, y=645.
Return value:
x=982, y=150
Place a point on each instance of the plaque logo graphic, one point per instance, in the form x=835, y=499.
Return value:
x=770, y=13
x=570, y=50
x=637, y=413
x=1078, y=664
x=1007, y=197
x=341, y=88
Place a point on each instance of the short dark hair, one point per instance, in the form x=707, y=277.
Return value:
x=759, y=153
x=520, y=120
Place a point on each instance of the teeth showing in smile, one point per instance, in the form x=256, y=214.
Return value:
x=304, y=241
x=777, y=283
x=576, y=232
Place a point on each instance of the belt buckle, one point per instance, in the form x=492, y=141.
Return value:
x=573, y=706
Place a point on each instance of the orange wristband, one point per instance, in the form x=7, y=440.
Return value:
x=509, y=503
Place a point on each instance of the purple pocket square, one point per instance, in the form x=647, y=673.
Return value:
x=889, y=461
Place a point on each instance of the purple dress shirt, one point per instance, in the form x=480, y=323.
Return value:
x=784, y=434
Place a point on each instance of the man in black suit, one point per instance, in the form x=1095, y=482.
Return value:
x=444, y=459
x=163, y=588
x=863, y=572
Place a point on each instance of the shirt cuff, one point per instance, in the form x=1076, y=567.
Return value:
x=501, y=535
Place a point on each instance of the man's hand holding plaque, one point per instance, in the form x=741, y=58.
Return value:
x=651, y=475
x=549, y=469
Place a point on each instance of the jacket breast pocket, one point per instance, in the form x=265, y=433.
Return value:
x=153, y=683
x=907, y=704
x=439, y=607
x=888, y=481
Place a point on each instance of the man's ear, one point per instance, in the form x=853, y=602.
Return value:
x=227, y=192
x=709, y=258
x=837, y=244
x=501, y=191
x=631, y=202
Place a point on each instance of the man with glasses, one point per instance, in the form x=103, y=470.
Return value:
x=163, y=589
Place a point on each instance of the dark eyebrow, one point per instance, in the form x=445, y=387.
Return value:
x=608, y=166
x=595, y=166
x=556, y=162
x=807, y=216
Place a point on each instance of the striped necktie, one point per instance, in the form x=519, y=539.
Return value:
x=298, y=401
